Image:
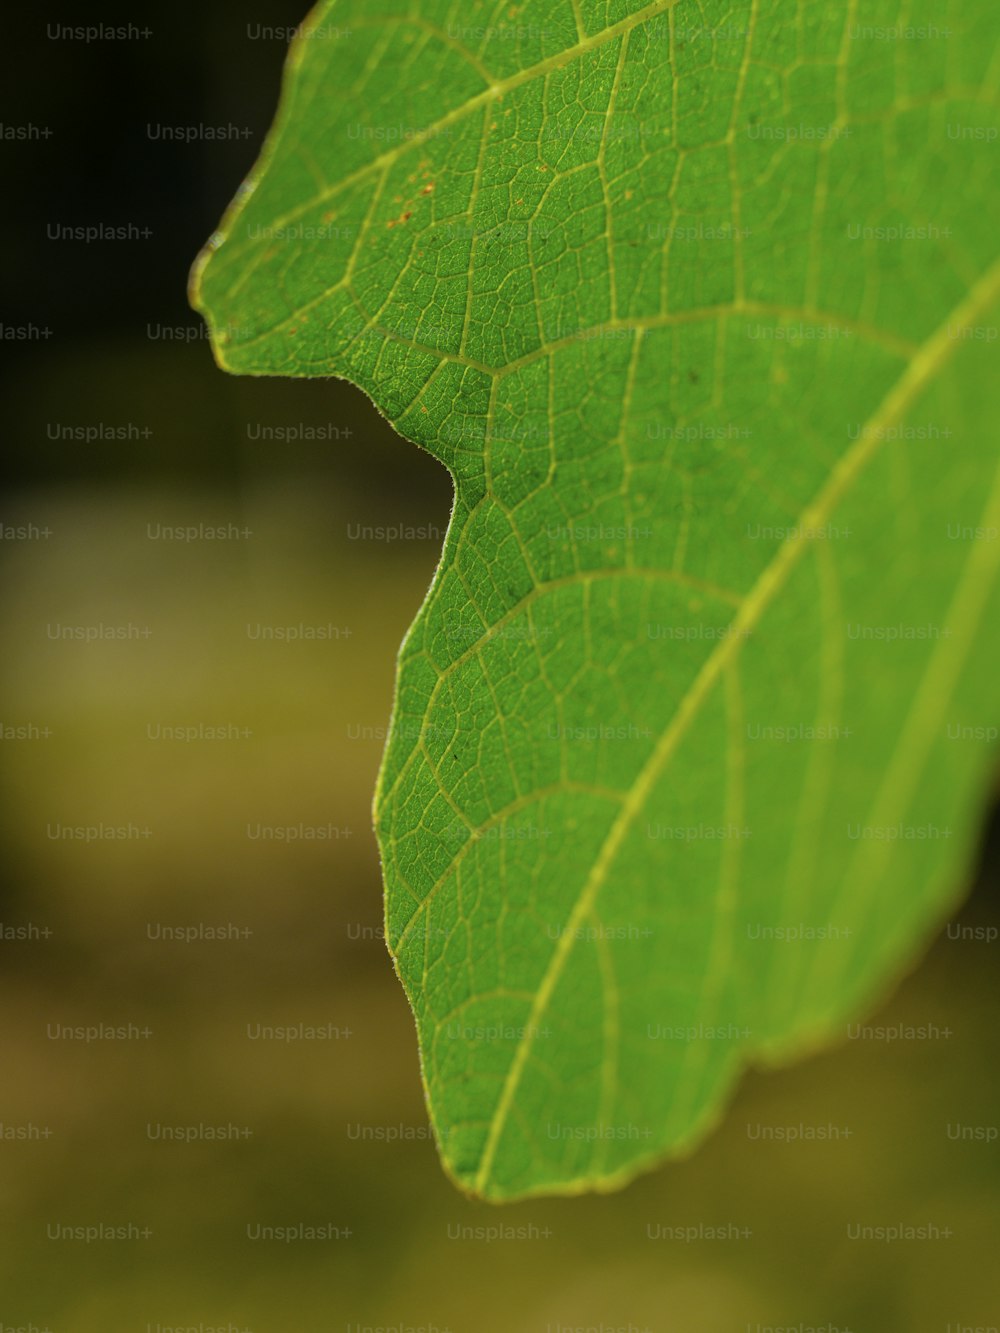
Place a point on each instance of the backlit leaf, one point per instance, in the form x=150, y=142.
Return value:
x=698, y=304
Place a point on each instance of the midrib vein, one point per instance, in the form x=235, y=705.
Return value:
x=923, y=720
x=933, y=354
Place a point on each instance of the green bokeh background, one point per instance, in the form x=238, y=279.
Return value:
x=315, y=712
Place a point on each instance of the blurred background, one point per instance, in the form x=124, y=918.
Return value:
x=210, y=1106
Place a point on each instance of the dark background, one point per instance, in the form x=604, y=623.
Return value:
x=306, y=1127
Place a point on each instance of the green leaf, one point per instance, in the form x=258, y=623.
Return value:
x=697, y=303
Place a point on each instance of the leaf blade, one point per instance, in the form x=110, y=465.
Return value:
x=577, y=533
